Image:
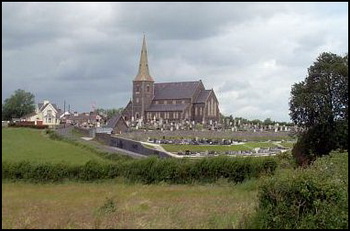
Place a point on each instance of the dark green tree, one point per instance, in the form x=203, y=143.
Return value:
x=109, y=113
x=17, y=105
x=268, y=121
x=319, y=105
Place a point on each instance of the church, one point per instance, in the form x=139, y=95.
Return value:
x=171, y=101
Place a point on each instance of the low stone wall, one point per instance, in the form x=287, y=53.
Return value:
x=143, y=135
x=135, y=146
x=85, y=131
x=129, y=145
x=103, y=138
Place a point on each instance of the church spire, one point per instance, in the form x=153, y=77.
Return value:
x=143, y=74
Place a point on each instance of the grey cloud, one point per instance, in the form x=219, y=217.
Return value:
x=250, y=53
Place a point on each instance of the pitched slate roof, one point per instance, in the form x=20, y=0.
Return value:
x=112, y=122
x=203, y=96
x=167, y=107
x=175, y=90
x=41, y=106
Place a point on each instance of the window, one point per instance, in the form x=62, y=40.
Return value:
x=137, y=89
x=165, y=102
x=174, y=101
x=137, y=100
x=156, y=102
x=148, y=88
x=137, y=116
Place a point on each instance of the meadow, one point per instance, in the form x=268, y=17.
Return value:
x=116, y=204
x=89, y=191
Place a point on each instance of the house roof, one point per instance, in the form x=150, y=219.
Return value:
x=203, y=96
x=175, y=90
x=112, y=122
x=41, y=106
x=167, y=107
x=29, y=115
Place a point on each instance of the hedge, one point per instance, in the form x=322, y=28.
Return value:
x=148, y=171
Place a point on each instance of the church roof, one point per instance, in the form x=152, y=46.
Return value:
x=175, y=90
x=167, y=107
x=143, y=74
x=203, y=96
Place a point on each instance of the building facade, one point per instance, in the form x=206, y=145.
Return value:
x=174, y=101
x=45, y=113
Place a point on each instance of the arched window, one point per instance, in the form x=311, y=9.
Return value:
x=148, y=88
x=137, y=115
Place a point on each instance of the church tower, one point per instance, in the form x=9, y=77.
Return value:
x=143, y=86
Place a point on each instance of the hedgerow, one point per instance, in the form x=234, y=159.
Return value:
x=148, y=171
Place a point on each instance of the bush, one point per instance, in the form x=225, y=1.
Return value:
x=148, y=171
x=315, y=198
x=320, y=140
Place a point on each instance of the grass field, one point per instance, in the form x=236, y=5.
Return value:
x=120, y=205
x=220, y=148
x=28, y=144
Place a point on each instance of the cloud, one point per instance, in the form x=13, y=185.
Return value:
x=249, y=53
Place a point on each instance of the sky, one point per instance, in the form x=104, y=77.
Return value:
x=87, y=53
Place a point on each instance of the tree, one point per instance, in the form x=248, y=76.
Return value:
x=268, y=121
x=109, y=113
x=319, y=104
x=19, y=104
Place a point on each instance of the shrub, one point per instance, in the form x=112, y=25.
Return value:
x=320, y=140
x=148, y=171
x=315, y=197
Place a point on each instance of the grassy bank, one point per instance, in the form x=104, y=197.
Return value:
x=119, y=205
x=24, y=144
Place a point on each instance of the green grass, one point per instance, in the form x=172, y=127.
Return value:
x=287, y=144
x=119, y=205
x=33, y=145
x=221, y=148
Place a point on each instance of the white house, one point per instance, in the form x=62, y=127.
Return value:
x=45, y=113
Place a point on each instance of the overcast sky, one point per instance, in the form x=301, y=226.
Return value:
x=88, y=53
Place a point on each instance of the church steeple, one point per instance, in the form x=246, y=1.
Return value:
x=143, y=74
